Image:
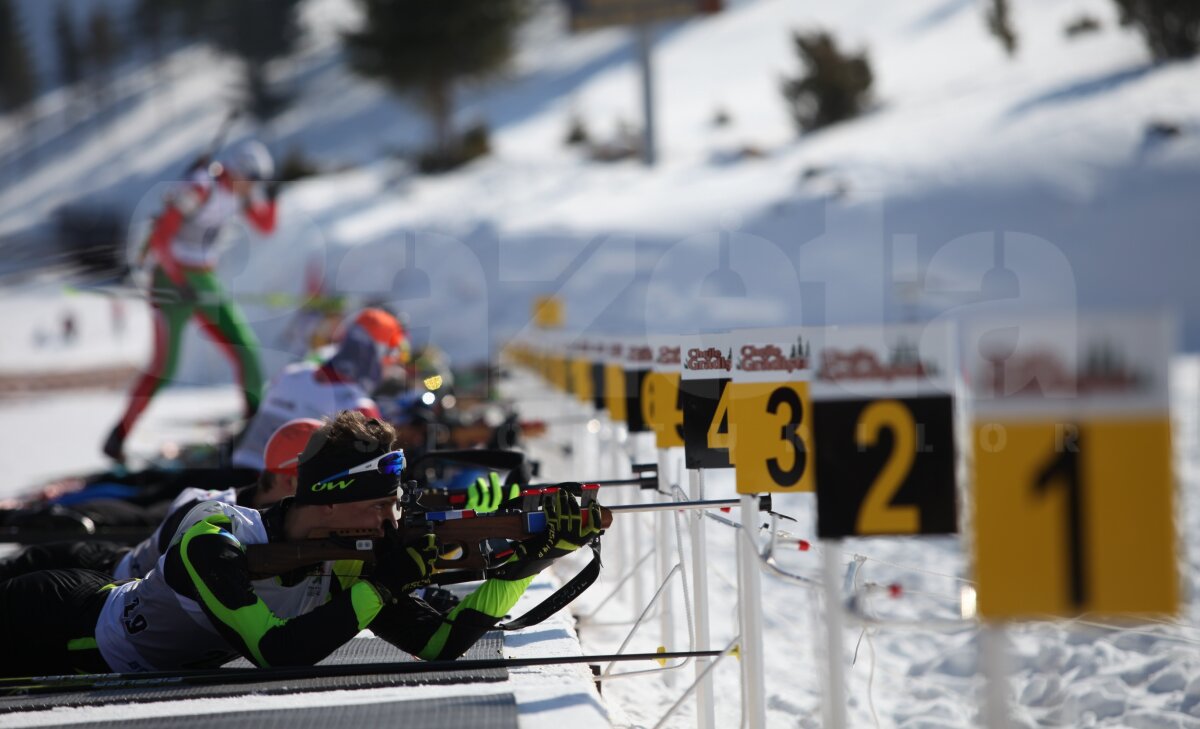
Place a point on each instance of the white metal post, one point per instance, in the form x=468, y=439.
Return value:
x=993, y=653
x=631, y=537
x=662, y=545
x=645, y=42
x=750, y=616
x=834, y=706
x=636, y=521
x=705, y=717
x=590, y=458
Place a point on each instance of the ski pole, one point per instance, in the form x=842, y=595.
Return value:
x=218, y=139
x=201, y=161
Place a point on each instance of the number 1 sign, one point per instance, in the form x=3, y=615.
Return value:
x=1073, y=489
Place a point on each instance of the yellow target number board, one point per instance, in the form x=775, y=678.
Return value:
x=1073, y=486
x=863, y=416
x=626, y=365
x=659, y=394
x=770, y=412
x=581, y=374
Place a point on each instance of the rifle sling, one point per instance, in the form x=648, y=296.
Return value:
x=562, y=597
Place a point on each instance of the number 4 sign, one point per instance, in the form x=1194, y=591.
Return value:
x=704, y=399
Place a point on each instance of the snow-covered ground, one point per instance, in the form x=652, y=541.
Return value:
x=1064, y=673
x=108, y=330
x=1067, y=673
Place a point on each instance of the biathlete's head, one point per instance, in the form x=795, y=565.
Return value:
x=368, y=343
x=349, y=476
x=250, y=162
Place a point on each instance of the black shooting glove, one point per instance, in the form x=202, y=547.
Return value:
x=402, y=568
x=564, y=510
x=565, y=532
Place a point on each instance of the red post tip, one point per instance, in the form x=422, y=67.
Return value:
x=803, y=545
x=726, y=509
x=894, y=590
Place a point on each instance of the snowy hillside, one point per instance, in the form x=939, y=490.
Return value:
x=888, y=216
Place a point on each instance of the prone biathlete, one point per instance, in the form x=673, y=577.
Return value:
x=369, y=342
x=201, y=607
x=277, y=480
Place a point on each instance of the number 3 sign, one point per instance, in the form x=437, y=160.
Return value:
x=770, y=413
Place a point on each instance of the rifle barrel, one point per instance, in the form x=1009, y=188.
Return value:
x=634, y=481
x=675, y=505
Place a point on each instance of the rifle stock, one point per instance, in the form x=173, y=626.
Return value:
x=464, y=539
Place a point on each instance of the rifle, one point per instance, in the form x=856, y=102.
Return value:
x=645, y=476
x=440, y=435
x=470, y=544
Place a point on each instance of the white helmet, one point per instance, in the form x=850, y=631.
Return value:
x=251, y=160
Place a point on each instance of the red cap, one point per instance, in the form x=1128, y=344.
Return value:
x=383, y=329
x=282, y=454
x=381, y=325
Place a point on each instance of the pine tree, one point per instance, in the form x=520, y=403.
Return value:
x=70, y=55
x=425, y=47
x=150, y=22
x=1171, y=27
x=999, y=22
x=17, y=83
x=256, y=32
x=834, y=86
x=101, y=51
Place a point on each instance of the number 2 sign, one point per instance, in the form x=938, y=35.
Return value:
x=884, y=431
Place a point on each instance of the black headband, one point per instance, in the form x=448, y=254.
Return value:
x=314, y=485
